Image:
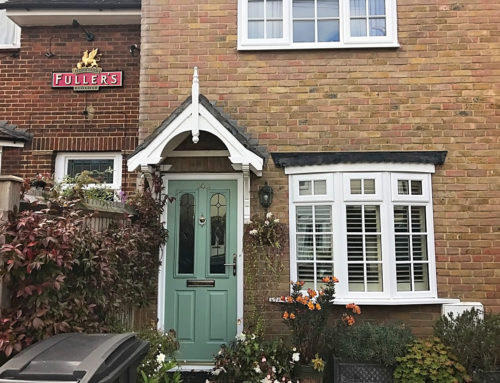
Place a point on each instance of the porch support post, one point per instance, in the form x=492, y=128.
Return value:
x=246, y=192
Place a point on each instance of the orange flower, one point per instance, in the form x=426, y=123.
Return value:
x=310, y=305
x=318, y=306
x=299, y=299
x=301, y=283
x=292, y=316
x=285, y=315
x=348, y=319
x=312, y=293
x=326, y=279
x=289, y=299
x=335, y=280
x=354, y=307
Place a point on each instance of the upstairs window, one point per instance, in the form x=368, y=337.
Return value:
x=10, y=33
x=310, y=24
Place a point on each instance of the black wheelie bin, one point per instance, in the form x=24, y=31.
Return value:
x=78, y=358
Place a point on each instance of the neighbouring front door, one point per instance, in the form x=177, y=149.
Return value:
x=201, y=266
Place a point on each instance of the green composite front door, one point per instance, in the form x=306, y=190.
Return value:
x=200, y=277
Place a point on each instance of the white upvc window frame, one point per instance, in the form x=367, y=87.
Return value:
x=386, y=175
x=61, y=166
x=16, y=44
x=390, y=40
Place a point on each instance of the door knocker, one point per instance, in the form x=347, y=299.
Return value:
x=202, y=220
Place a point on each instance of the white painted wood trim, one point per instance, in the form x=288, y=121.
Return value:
x=239, y=242
x=195, y=116
x=86, y=17
x=16, y=43
x=14, y=144
x=153, y=153
x=346, y=42
x=362, y=166
x=386, y=302
x=198, y=153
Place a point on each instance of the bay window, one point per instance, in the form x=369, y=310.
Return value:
x=310, y=24
x=371, y=229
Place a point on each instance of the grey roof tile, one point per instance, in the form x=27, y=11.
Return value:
x=238, y=132
x=12, y=133
x=284, y=159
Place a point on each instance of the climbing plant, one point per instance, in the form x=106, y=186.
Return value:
x=265, y=240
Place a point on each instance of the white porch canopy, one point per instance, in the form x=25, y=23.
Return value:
x=194, y=115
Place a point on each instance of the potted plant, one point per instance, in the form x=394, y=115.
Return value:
x=306, y=314
x=474, y=337
x=366, y=352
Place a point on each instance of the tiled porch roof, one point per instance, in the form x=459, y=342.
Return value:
x=12, y=133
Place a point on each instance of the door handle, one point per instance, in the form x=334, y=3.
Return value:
x=232, y=264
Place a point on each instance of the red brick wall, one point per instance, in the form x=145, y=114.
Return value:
x=55, y=116
x=438, y=91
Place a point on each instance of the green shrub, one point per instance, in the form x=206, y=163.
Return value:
x=474, y=340
x=162, y=348
x=369, y=342
x=428, y=360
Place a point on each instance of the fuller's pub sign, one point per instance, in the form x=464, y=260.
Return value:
x=87, y=75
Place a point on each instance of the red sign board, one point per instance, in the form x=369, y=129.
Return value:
x=86, y=80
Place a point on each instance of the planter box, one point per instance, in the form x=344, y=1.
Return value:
x=358, y=372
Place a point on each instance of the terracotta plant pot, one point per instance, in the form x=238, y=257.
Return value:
x=307, y=374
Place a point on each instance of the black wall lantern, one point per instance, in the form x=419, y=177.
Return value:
x=266, y=195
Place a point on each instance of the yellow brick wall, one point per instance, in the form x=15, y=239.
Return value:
x=438, y=91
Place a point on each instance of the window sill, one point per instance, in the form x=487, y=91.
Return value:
x=385, y=301
x=257, y=47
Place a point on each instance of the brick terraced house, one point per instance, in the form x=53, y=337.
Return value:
x=375, y=122
x=71, y=129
